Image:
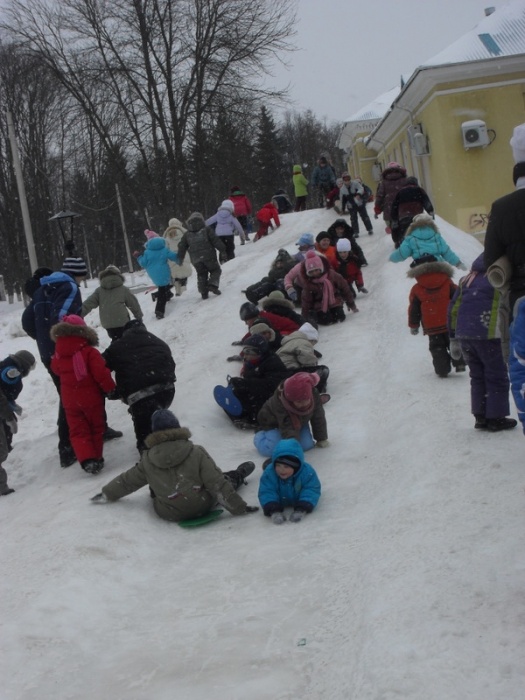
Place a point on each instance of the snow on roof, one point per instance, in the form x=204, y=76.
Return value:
x=500, y=34
x=376, y=109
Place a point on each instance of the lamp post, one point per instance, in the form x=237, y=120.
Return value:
x=67, y=231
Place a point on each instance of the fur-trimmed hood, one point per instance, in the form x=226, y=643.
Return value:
x=429, y=268
x=195, y=222
x=275, y=301
x=421, y=222
x=111, y=277
x=167, y=435
x=64, y=330
x=175, y=228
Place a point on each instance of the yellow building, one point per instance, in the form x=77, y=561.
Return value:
x=451, y=122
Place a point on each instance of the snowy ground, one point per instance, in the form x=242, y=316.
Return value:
x=405, y=584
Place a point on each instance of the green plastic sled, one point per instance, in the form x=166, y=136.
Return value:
x=197, y=522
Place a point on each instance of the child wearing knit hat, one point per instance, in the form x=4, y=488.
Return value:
x=295, y=406
x=12, y=370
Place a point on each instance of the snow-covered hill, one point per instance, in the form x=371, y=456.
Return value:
x=406, y=582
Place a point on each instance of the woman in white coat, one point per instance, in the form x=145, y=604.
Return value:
x=179, y=273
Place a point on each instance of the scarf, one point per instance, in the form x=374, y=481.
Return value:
x=328, y=293
x=79, y=366
x=295, y=412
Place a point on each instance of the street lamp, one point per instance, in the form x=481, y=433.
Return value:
x=67, y=231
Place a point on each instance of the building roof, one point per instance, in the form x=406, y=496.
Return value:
x=377, y=108
x=501, y=33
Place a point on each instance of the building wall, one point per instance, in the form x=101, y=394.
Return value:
x=463, y=183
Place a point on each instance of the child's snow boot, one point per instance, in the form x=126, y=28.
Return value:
x=494, y=425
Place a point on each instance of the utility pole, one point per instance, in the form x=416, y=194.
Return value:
x=126, y=242
x=22, y=193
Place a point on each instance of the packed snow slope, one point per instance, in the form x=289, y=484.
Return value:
x=405, y=583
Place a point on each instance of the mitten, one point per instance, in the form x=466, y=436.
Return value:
x=363, y=290
x=12, y=424
x=278, y=518
x=99, y=498
x=15, y=408
x=414, y=331
x=297, y=516
x=234, y=358
x=113, y=395
x=322, y=443
x=292, y=294
x=461, y=266
x=251, y=509
x=237, y=342
x=455, y=349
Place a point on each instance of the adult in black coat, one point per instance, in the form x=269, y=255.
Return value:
x=408, y=202
x=144, y=374
x=506, y=234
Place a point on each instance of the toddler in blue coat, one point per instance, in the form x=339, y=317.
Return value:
x=288, y=481
x=154, y=260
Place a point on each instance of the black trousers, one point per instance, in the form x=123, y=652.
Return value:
x=142, y=410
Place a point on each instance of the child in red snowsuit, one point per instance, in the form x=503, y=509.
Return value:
x=347, y=265
x=265, y=216
x=84, y=379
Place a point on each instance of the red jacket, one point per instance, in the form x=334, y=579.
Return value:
x=242, y=204
x=430, y=296
x=98, y=379
x=267, y=213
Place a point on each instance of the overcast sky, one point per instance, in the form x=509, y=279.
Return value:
x=350, y=52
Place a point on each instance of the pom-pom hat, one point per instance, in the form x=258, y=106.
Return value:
x=73, y=320
x=299, y=386
x=312, y=263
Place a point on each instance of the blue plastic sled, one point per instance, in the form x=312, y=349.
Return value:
x=227, y=400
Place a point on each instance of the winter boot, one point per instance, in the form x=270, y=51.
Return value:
x=245, y=469
x=363, y=290
x=494, y=425
x=7, y=491
x=91, y=466
x=67, y=457
x=481, y=423
x=111, y=434
x=204, y=295
x=214, y=289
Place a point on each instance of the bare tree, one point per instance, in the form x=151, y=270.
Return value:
x=155, y=71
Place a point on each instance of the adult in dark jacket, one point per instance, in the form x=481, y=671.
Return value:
x=202, y=245
x=506, y=227
x=57, y=296
x=184, y=481
x=261, y=372
x=282, y=264
x=393, y=178
x=342, y=229
x=323, y=179
x=410, y=201
x=144, y=374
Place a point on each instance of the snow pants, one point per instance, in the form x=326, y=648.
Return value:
x=266, y=440
x=489, y=381
x=208, y=273
x=87, y=424
x=354, y=211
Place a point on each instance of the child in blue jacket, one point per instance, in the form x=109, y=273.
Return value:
x=288, y=481
x=155, y=261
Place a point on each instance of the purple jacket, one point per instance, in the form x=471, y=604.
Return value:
x=227, y=224
x=473, y=310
